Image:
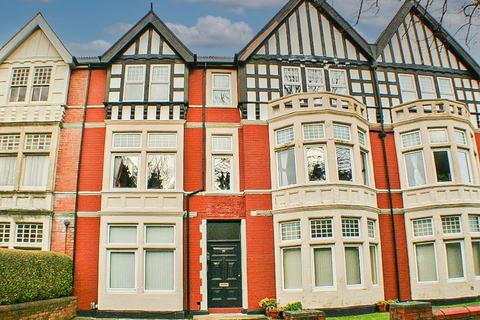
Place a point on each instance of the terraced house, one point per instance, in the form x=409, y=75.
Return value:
x=311, y=166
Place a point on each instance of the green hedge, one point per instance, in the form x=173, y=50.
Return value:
x=34, y=275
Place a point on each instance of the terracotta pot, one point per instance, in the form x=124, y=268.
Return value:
x=382, y=307
x=272, y=314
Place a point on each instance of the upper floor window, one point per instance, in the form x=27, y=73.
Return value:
x=134, y=83
x=30, y=233
x=338, y=81
x=411, y=139
x=159, y=83
x=287, y=174
x=221, y=89
x=423, y=227
x=344, y=163
x=125, y=171
x=126, y=140
x=460, y=137
x=415, y=168
x=474, y=220
x=316, y=162
x=41, y=83
x=445, y=86
x=341, y=132
x=438, y=136
x=315, y=80
x=427, y=87
x=222, y=161
x=442, y=165
x=291, y=78
x=321, y=228
x=285, y=135
x=407, y=87
x=313, y=131
x=18, y=84
x=451, y=224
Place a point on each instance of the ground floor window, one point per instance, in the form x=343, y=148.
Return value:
x=426, y=262
x=292, y=268
x=476, y=257
x=353, y=265
x=454, y=259
x=324, y=270
x=20, y=233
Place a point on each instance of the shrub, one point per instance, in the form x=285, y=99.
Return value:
x=268, y=304
x=34, y=275
x=294, y=306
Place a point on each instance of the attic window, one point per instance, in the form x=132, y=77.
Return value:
x=41, y=83
x=134, y=83
x=18, y=88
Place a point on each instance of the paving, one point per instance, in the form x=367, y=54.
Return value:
x=219, y=316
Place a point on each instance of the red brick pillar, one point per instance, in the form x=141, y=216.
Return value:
x=411, y=310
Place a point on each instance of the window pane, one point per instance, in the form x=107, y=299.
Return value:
x=321, y=228
x=373, y=263
x=36, y=171
x=290, y=230
x=474, y=222
x=476, y=257
x=438, y=136
x=365, y=174
x=222, y=173
x=446, y=88
x=427, y=87
x=159, y=234
x=125, y=171
x=135, y=74
x=161, y=74
x=341, y=132
x=442, y=166
x=221, y=143
x=221, y=90
x=313, y=131
x=122, y=270
x=126, y=140
x=291, y=80
x=352, y=265
x=338, y=81
x=454, y=260
x=464, y=166
x=29, y=233
x=161, y=171
x=344, y=164
x=323, y=261
x=315, y=80
x=422, y=227
x=316, y=159
x=287, y=174
x=221, y=81
x=372, y=227
x=292, y=268
x=38, y=141
x=451, y=224
x=284, y=135
x=159, y=91
x=426, y=262
x=122, y=234
x=134, y=92
x=162, y=140
x=460, y=137
x=362, y=139
x=18, y=84
x=415, y=169
x=350, y=227
x=4, y=232
x=221, y=97
x=9, y=142
x=407, y=88
x=8, y=170
x=411, y=139
x=159, y=270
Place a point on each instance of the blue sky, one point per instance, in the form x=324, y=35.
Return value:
x=207, y=27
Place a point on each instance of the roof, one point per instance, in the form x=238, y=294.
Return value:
x=291, y=5
x=216, y=59
x=150, y=19
x=87, y=60
x=439, y=30
x=38, y=22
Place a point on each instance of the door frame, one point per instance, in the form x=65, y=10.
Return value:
x=204, y=263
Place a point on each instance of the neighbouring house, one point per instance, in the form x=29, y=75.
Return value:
x=311, y=166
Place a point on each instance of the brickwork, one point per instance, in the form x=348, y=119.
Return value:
x=415, y=310
x=53, y=309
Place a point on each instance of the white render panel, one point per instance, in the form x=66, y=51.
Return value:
x=155, y=43
x=143, y=43
x=327, y=37
x=302, y=10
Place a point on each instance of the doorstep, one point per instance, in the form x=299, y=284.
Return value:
x=231, y=316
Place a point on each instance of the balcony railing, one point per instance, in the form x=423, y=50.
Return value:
x=145, y=111
x=430, y=108
x=308, y=102
x=21, y=114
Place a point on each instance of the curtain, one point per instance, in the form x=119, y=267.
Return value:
x=159, y=270
x=292, y=268
x=415, y=169
x=122, y=234
x=464, y=166
x=454, y=260
x=476, y=257
x=287, y=174
x=323, y=267
x=426, y=262
x=8, y=171
x=159, y=234
x=122, y=270
x=373, y=263
x=352, y=261
x=36, y=171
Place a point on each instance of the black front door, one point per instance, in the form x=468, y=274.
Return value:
x=224, y=265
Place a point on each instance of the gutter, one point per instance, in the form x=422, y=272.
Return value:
x=77, y=190
x=191, y=194
x=383, y=135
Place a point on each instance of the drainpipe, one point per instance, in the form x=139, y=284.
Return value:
x=383, y=135
x=191, y=194
x=77, y=190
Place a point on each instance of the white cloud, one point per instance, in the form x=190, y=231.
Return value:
x=92, y=48
x=117, y=28
x=213, y=32
x=239, y=7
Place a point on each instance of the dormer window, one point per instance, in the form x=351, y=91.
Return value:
x=18, y=86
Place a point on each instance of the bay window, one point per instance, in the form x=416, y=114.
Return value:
x=438, y=136
x=474, y=220
x=159, y=83
x=315, y=79
x=341, y=132
x=460, y=137
x=344, y=163
x=285, y=135
x=125, y=171
x=411, y=139
x=287, y=172
x=338, y=81
x=415, y=168
x=292, y=268
x=291, y=79
x=165, y=140
x=323, y=258
x=442, y=165
x=127, y=140
x=221, y=89
x=422, y=227
x=316, y=159
x=134, y=83
x=454, y=250
x=426, y=262
x=350, y=227
x=4, y=233
x=159, y=268
x=353, y=265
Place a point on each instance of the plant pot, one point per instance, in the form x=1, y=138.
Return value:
x=382, y=307
x=272, y=314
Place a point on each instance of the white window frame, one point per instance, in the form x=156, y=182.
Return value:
x=283, y=270
x=405, y=134
x=27, y=86
x=214, y=136
x=232, y=178
x=325, y=149
x=360, y=258
x=277, y=131
x=131, y=290
x=462, y=252
x=352, y=163
x=162, y=134
x=145, y=250
x=146, y=225
x=169, y=82
x=126, y=82
x=446, y=95
x=423, y=90
x=416, y=262
x=460, y=224
x=359, y=220
x=469, y=166
x=423, y=236
x=116, y=134
x=432, y=131
x=281, y=233
x=284, y=83
x=122, y=225
x=450, y=165
x=377, y=262
x=332, y=222
x=322, y=85
x=112, y=169
x=278, y=167
x=213, y=75
x=464, y=141
x=341, y=125
x=406, y=168
x=146, y=173
x=407, y=90
x=332, y=248
x=320, y=124
x=367, y=167
x=330, y=76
